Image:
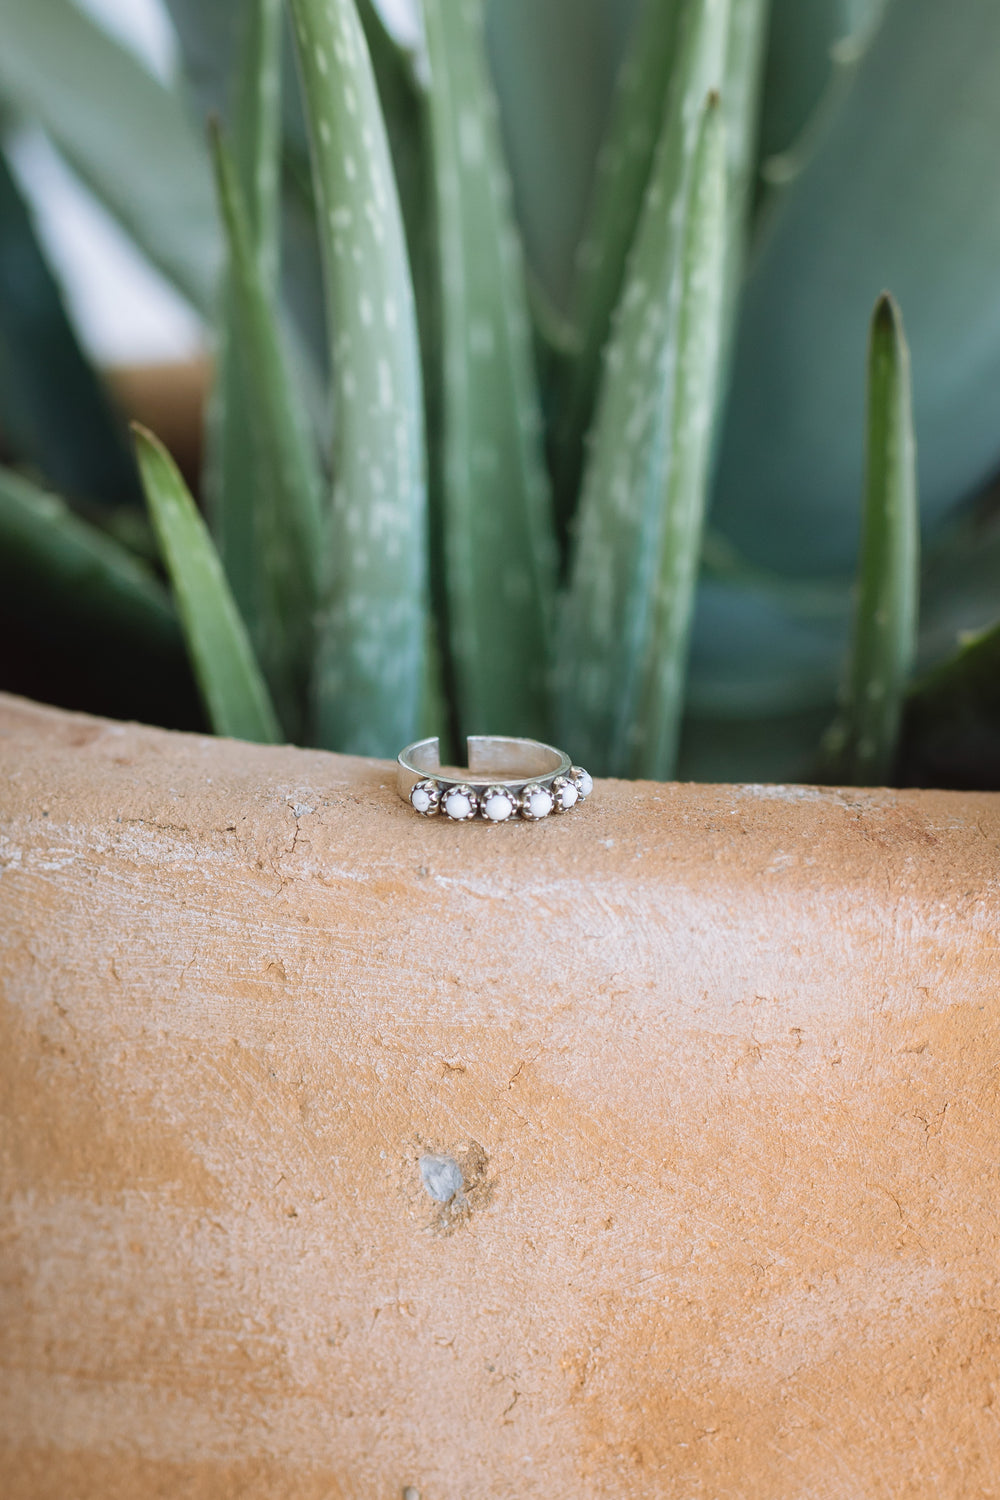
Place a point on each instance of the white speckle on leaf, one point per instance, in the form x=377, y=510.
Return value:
x=481, y=338
x=385, y=391
x=470, y=139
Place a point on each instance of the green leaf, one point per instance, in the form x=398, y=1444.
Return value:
x=500, y=552
x=403, y=101
x=695, y=399
x=951, y=729
x=237, y=492
x=863, y=742
x=284, y=519
x=263, y=478
x=45, y=547
x=231, y=684
x=607, y=619
x=805, y=53
x=211, y=34
x=54, y=412
x=256, y=133
x=84, y=623
x=623, y=167
x=742, y=91
x=900, y=192
x=554, y=63
x=621, y=175
x=960, y=583
x=372, y=614
x=129, y=137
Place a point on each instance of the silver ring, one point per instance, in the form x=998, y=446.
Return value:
x=506, y=778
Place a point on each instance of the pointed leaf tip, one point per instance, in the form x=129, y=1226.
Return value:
x=886, y=312
x=224, y=665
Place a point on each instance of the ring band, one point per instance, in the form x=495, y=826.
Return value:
x=507, y=778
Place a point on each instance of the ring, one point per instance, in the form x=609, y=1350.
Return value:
x=506, y=778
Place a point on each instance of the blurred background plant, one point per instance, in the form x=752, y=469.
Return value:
x=538, y=334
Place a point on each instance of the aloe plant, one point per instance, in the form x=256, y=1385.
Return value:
x=540, y=401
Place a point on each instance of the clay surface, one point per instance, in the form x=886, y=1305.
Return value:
x=717, y=1068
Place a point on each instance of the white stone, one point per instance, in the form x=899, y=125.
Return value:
x=584, y=781
x=420, y=798
x=539, y=803
x=498, y=808
x=457, y=805
x=568, y=796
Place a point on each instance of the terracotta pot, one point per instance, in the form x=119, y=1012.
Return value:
x=717, y=1066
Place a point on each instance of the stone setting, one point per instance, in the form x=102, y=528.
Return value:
x=565, y=793
x=501, y=801
x=537, y=802
x=498, y=803
x=459, y=803
x=582, y=780
x=425, y=798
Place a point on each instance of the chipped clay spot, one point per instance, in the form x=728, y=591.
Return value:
x=457, y=1183
x=442, y=1177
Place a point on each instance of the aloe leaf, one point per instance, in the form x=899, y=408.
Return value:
x=263, y=480
x=802, y=64
x=900, y=185
x=554, y=63
x=835, y=38
x=402, y=98
x=227, y=673
x=960, y=584
x=695, y=398
x=397, y=69
x=210, y=35
x=742, y=93
x=285, y=517
x=623, y=168
x=256, y=133
x=54, y=412
x=768, y=648
x=951, y=727
x=621, y=174
x=128, y=136
x=864, y=740
x=240, y=73
x=499, y=547
x=372, y=615
x=45, y=547
x=84, y=623
x=607, y=616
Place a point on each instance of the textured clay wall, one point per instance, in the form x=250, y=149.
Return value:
x=716, y=1068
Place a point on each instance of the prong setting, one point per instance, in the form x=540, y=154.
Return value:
x=582, y=780
x=507, y=778
x=499, y=803
x=565, y=794
x=425, y=797
x=459, y=802
x=537, y=802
